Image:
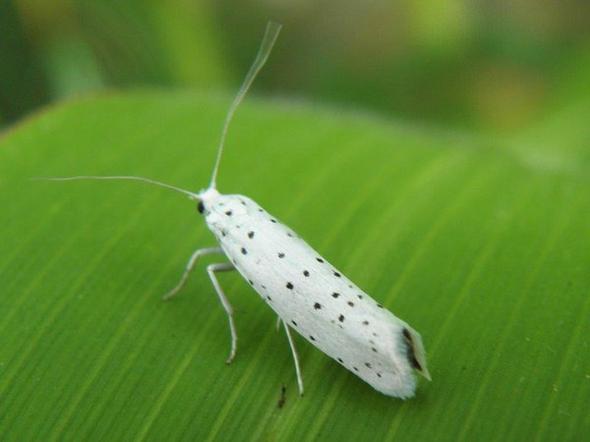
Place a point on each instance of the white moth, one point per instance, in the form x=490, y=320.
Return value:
x=307, y=293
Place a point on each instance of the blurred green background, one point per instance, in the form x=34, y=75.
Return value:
x=496, y=66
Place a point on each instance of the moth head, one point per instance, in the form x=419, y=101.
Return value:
x=205, y=199
x=415, y=351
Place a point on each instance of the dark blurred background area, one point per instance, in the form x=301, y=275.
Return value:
x=494, y=66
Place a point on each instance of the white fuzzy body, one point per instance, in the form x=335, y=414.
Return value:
x=314, y=298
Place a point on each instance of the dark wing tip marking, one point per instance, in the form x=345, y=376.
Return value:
x=411, y=348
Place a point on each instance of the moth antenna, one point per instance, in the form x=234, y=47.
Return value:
x=268, y=41
x=129, y=178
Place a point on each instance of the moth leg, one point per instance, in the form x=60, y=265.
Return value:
x=295, y=358
x=278, y=324
x=189, y=268
x=211, y=270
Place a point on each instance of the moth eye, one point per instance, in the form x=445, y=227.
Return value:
x=201, y=207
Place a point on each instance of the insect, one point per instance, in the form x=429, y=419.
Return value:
x=308, y=294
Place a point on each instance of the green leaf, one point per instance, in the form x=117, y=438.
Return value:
x=484, y=252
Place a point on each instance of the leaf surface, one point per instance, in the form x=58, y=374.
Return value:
x=478, y=245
